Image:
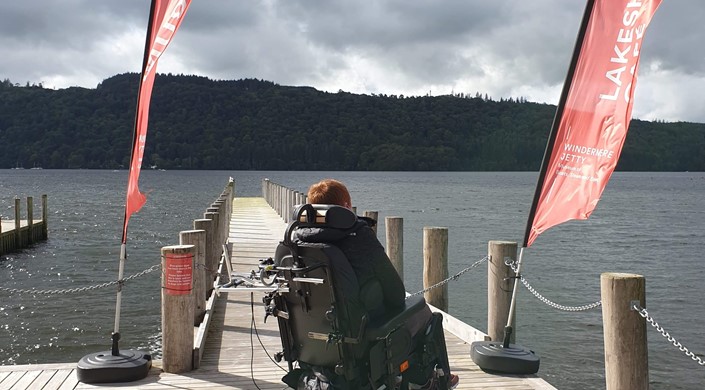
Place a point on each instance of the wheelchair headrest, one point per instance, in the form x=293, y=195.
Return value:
x=329, y=215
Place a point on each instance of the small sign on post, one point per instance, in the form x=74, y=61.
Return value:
x=179, y=273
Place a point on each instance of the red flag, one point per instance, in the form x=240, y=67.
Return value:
x=164, y=19
x=588, y=137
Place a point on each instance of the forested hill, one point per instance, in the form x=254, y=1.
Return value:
x=197, y=123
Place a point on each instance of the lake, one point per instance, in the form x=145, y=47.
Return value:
x=646, y=223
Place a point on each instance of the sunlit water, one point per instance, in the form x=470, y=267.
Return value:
x=647, y=223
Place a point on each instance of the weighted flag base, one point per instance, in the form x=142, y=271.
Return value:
x=494, y=357
x=104, y=367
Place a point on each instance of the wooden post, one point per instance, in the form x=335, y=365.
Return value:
x=289, y=203
x=394, y=227
x=499, y=288
x=435, y=265
x=197, y=238
x=177, y=308
x=18, y=225
x=215, y=251
x=374, y=215
x=45, y=213
x=626, y=353
x=208, y=273
x=222, y=220
x=30, y=219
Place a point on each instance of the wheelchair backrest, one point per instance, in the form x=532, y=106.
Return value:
x=323, y=300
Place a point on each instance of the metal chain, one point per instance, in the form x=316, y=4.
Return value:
x=454, y=277
x=545, y=300
x=79, y=289
x=642, y=312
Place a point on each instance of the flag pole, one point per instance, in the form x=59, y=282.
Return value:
x=123, y=247
x=507, y=357
x=544, y=163
x=130, y=365
x=557, y=120
x=546, y=157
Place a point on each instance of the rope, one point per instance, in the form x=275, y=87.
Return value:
x=454, y=277
x=642, y=312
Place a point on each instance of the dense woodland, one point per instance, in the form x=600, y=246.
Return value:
x=197, y=123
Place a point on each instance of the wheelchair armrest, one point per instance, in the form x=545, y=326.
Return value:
x=413, y=308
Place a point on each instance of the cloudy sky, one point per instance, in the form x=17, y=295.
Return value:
x=505, y=48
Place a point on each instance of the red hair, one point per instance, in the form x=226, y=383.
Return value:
x=329, y=191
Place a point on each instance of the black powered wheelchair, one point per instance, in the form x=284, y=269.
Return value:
x=327, y=337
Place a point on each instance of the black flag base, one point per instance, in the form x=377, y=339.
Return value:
x=114, y=365
x=495, y=357
x=104, y=367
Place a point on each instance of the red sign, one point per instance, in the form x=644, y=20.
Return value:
x=178, y=275
x=596, y=113
x=165, y=18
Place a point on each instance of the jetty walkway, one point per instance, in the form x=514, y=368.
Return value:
x=234, y=356
x=18, y=233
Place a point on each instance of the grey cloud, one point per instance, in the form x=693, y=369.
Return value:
x=400, y=46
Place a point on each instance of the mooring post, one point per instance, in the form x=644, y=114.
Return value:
x=197, y=238
x=215, y=252
x=208, y=273
x=372, y=215
x=499, y=288
x=223, y=219
x=435, y=265
x=18, y=226
x=626, y=352
x=177, y=308
x=45, y=222
x=30, y=219
x=394, y=227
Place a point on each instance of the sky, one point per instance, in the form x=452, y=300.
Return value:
x=502, y=48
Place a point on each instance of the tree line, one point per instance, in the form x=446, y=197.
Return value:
x=249, y=124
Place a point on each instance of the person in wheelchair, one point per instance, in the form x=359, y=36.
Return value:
x=379, y=339
x=361, y=247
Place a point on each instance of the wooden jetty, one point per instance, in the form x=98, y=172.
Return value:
x=18, y=233
x=233, y=355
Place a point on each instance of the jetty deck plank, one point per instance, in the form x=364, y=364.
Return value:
x=234, y=355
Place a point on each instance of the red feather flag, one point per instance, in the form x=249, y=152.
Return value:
x=594, y=113
x=165, y=18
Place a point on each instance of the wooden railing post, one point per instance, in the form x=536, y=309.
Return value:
x=394, y=227
x=499, y=288
x=435, y=265
x=197, y=238
x=30, y=219
x=177, y=308
x=215, y=252
x=373, y=215
x=45, y=221
x=208, y=273
x=18, y=225
x=626, y=353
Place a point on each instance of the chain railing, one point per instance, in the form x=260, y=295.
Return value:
x=642, y=312
x=80, y=289
x=545, y=300
x=447, y=280
x=94, y=287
